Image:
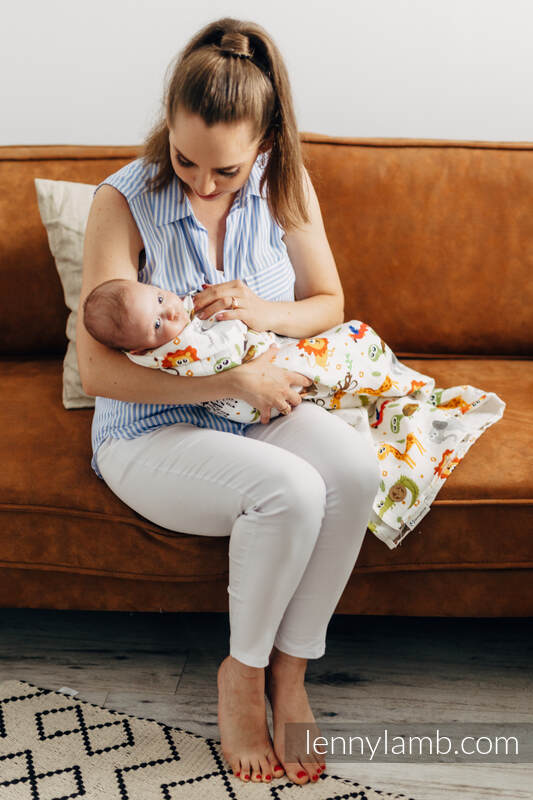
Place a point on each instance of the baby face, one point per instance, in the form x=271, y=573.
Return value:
x=157, y=315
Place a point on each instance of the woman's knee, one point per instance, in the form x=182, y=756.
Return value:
x=355, y=473
x=299, y=492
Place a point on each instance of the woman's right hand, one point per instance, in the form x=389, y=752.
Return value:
x=264, y=385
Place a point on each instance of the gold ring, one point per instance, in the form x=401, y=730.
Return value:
x=234, y=302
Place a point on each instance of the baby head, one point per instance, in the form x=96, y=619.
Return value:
x=129, y=315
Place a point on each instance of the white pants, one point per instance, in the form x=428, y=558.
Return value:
x=294, y=496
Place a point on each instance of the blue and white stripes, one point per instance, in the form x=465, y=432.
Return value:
x=176, y=248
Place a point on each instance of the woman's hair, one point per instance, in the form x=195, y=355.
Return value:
x=105, y=314
x=232, y=71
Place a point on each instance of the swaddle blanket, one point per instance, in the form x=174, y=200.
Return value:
x=420, y=432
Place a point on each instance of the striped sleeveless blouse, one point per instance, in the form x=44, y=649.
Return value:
x=176, y=258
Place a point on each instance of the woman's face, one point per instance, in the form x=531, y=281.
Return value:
x=211, y=161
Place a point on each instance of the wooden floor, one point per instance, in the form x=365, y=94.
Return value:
x=376, y=669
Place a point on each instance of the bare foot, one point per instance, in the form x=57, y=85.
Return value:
x=244, y=736
x=285, y=690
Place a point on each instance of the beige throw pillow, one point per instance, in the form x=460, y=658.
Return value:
x=64, y=208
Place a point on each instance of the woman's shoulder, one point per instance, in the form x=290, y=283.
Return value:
x=131, y=179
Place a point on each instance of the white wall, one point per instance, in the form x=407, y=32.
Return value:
x=92, y=72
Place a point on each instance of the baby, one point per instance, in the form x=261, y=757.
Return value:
x=350, y=365
x=156, y=328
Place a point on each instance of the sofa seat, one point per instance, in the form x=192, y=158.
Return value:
x=88, y=539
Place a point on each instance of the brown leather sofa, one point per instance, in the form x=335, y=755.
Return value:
x=434, y=244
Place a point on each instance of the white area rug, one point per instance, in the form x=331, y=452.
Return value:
x=55, y=747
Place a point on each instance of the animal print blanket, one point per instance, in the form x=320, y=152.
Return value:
x=421, y=432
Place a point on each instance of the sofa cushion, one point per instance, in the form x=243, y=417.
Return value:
x=47, y=484
x=64, y=208
x=38, y=325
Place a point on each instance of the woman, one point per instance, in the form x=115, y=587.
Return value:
x=221, y=199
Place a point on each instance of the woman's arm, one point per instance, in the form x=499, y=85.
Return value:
x=111, y=250
x=320, y=299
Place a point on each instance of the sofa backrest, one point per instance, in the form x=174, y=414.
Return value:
x=433, y=240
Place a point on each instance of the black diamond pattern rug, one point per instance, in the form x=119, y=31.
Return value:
x=54, y=747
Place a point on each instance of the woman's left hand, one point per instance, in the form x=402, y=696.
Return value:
x=234, y=300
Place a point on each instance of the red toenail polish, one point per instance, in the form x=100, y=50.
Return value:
x=246, y=777
x=315, y=778
x=267, y=777
x=278, y=766
x=258, y=776
x=237, y=774
x=301, y=774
